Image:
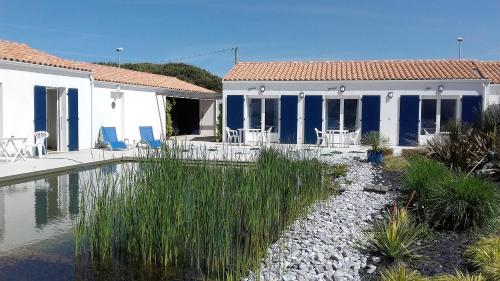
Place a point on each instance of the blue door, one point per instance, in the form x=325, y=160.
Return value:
x=288, y=119
x=234, y=111
x=73, y=119
x=313, y=117
x=40, y=108
x=408, y=120
x=471, y=108
x=370, y=116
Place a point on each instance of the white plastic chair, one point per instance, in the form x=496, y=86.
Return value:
x=321, y=137
x=266, y=136
x=40, y=138
x=354, y=137
x=232, y=136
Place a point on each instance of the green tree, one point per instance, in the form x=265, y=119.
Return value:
x=182, y=71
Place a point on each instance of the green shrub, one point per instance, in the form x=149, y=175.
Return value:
x=461, y=202
x=459, y=276
x=401, y=273
x=418, y=179
x=395, y=237
x=485, y=255
x=394, y=164
x=446, y=200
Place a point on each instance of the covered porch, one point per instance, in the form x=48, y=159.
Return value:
x=194, y=114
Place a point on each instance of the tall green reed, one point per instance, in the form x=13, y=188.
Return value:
x=220, y=219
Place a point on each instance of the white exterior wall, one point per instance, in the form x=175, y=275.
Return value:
x=493, y=91
x=389, y=109
x=207, y=117
x=17, y=83
x=135, y=107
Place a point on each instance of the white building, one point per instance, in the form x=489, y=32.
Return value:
x=404, y=100
x=72, y=100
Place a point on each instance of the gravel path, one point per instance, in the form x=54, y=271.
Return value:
x=323, y=244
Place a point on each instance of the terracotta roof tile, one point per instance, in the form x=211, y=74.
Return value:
x=12, y=51
x=354, y=70
x=490, y=70
x=112, y=74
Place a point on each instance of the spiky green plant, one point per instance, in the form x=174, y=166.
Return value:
x=400, y=272
x=395, y=238
x=376, y=141
x=459, y=276
x=217, y=218
x=485, y=255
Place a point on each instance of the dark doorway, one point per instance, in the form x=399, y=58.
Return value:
x=186, y=116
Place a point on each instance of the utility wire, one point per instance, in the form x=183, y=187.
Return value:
x=198, y=55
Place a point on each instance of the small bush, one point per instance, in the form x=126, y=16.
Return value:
x=485, y=255
x=394, y=164
x=412, y=152
x=395, y=237
x=401, y=273
x=335, y=171
x=459, y=276
x=388, y=151
x=461, y=202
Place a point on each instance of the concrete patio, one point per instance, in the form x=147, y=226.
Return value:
x=58, y=162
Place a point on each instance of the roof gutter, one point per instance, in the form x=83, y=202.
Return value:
x=355, y=81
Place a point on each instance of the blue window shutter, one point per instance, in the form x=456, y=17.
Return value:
x=40, y=114
x=288, y=119
x=313, y=117
x=370, y=117
x=73, y=120
x=234, y=112
x=471, y=109
x=408, y=120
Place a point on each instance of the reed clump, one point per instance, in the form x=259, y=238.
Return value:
x=219, y=219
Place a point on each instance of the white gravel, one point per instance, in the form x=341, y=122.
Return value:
x=323, y=244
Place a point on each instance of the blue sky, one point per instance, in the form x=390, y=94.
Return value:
x=263, y=30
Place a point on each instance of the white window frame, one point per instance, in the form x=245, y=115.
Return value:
x=341, y=120
x=438, y=99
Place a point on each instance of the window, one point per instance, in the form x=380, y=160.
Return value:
x=350, y=114
x=271, y=112
x=333, y=111
x=428, y=117
x=255, y=111
x=448, y=113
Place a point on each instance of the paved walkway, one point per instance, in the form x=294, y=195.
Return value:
x=57, y=162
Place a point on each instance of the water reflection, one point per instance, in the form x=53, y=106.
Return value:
x=37, y=210
x=36, y=240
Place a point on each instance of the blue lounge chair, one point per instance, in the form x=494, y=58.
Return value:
x=108, y=137
x=148, y=138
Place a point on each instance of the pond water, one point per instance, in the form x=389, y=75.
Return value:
x=36, y=238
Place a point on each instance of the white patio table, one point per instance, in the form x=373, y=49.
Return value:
x=342, y=136
x=17, y=144
x=244, y=132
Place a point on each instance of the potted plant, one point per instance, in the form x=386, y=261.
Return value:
x=378, y=146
